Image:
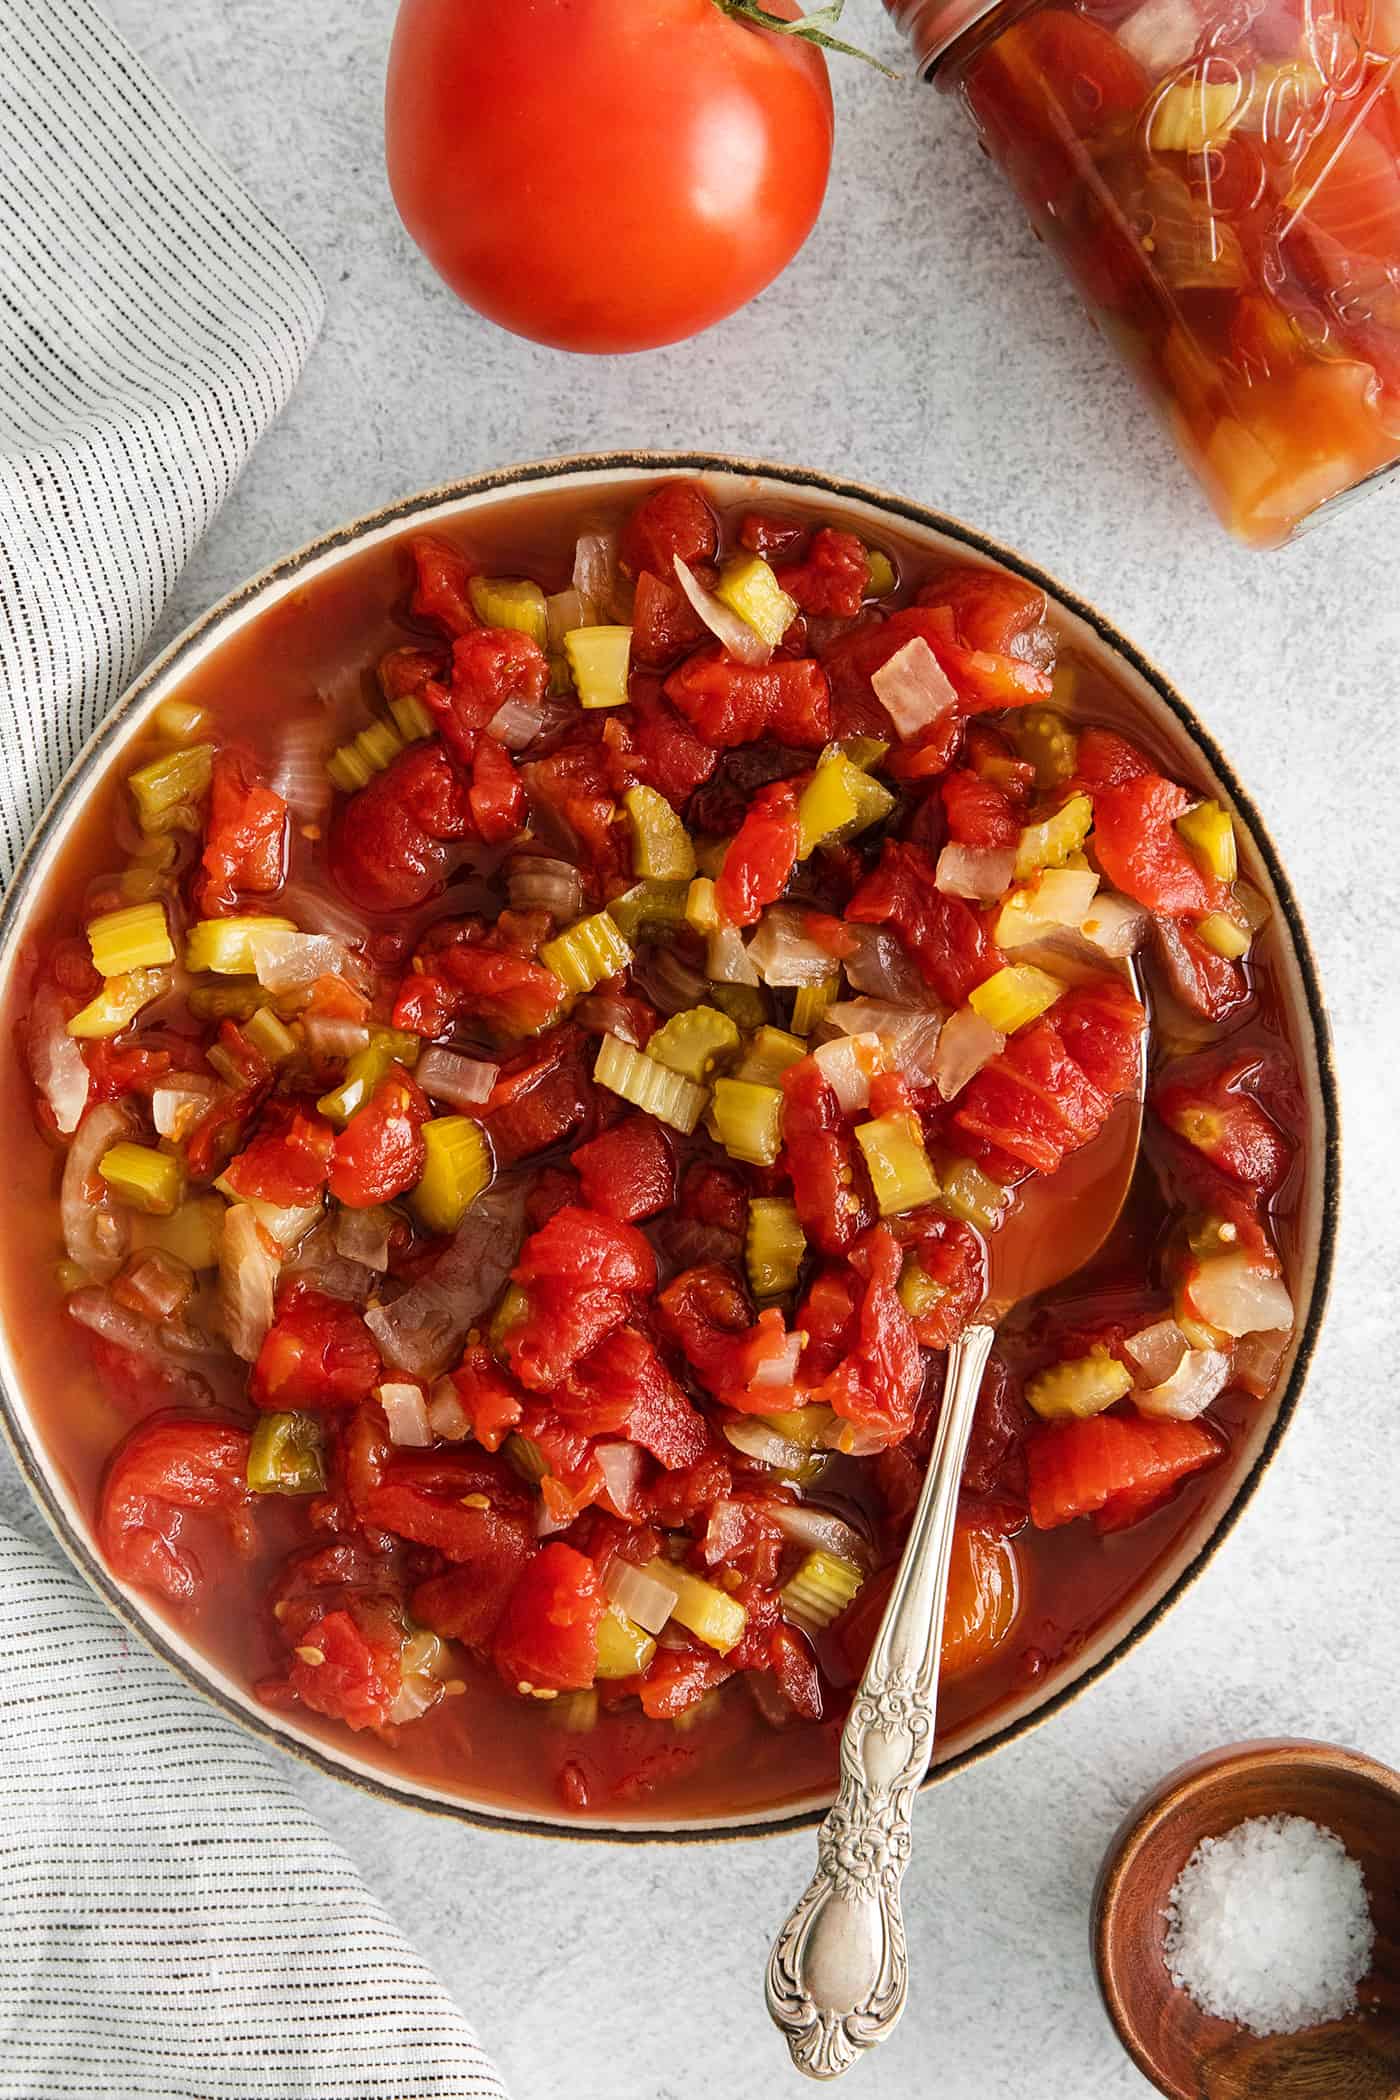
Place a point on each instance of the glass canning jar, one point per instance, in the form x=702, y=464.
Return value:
x=1221, y=179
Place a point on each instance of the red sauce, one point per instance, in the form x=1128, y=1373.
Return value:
x=315, y=654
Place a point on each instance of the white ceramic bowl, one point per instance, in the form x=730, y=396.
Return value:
x=368, y=546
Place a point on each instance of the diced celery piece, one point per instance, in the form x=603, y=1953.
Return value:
x=774, y=1245
x=714, y=1618
x=701, y=909
x=661, y=845
x=181, y=722
x=1050, y=843
x=838, y=801
x=140, y=884
x=411, y=718
x=669, y=1096
x=624, y=1648
x=1209, y=836
x=806, y=1426
x=810, y=1002
x=117, y=1004
x=525, y=1455
x=365, y=1069
x=511, y=601
x=347, y=770
x=287, y=1456
x=744, y=1003
x=882, y=578
x=1057, y=897
x=226, y=946
x=749, y=1120
x=137, y=938
x=1015, y=996
x=193, y=1232
x=693, y=1042
x=1224, y=935
x=649, y=908
x=1083, y=1386
x=269, y=1036
x=900, y=1172
x=770, y=1052
x=748, y=586
x=146, y=1179
x=379, y=745
x=587, y=952
x=1194, y=114
x=457, y=1169
x=236, y=999
x=179, y=777
x=973, y=1196
x=1044, y=739
x=918, y=1291
x=819, y=1592
x=511, y=1308
x=598, y=658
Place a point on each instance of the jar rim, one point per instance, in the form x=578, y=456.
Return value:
x=933, y=26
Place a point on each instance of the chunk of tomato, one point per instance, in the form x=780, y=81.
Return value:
x=497, y=794
x=832, y=577
x=317, y=1353
x=547, y=1639
x=948, y=940
x=674, y=519
x=761, y=857
x=1078, y=1468
x=1102, y=1026
x=245, y=837
x=1033, y=1101
x=381, y=1152
x=830, y=1186
x=979, y=812
x=878, y=1385
x=467, y=1602
x=1141, y=852
x=162, y=1469
x=357, y=1678
x=629, y=1172
x=441, y=586
x=490, y=666
x=732, y=703
x=388, y=847
x=286, y=1166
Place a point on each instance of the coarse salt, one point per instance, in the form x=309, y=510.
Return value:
x=1269, y=1926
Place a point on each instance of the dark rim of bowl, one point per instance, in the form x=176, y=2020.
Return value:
x=499, y=480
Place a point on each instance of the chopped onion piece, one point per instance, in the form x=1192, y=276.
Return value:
x=759, y=1441
x=516, y=723
x=406, y=1412
x=363, y=1236
x=332, y=1035
x=738, y=637
x=446, y=1075
x=447, y=1418
x=299, y=773
x=779, y=1366
x=665, y=977
x=318, y=911
x=247, y=1276
x=1160, y=35
x=98, y=1311
x=1200, y=1377
x=1116, y=926
x=784, y=954
x=596, y=577
x=805, y=1524
x=727, y=959
x=982, y=872
x=622, y=1466
x=1258, y=1361
x=420, y=1331
x=174, y=1108
x=909, y=1035
x=1157, y=1350
x=537, y=883
x=56, y=1063
x=913, y=688
x=1231, y=1293
x=289, y=962
x=965, y=1045
x=422, y=1665
x=880, y=965
x=96, y=1231
x=848, y=1065
x=643, y=1593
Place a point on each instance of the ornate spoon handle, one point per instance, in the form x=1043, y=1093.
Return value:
x=839, y=1972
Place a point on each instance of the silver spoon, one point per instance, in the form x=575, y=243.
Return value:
x=838, y=1974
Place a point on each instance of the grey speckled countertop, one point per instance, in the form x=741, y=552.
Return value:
x=923, y=341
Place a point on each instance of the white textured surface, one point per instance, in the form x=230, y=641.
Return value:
x=925, y=341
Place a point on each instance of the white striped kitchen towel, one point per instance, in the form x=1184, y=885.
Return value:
x=173, y=1925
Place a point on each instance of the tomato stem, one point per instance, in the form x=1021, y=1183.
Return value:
x=814, y=28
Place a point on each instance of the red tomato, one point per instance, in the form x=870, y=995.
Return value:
x=1079, y=1468
x=357, y=1678
x=630, y=1171
x=548, y=1637
x=381, y=1152
x=829, y=1187
x=245, y=844
x=318, y=1352
x=599, y=176
x=167, y=1465
x=761, y=857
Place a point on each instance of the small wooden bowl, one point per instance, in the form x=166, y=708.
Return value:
x=1192, y=2055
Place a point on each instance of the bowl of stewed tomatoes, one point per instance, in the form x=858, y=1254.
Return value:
x=522, y=1029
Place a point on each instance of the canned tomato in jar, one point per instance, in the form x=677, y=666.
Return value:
x=1221, y=179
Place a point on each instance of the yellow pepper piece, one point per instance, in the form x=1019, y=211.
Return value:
x=179, y=777
x=624, y=1648
x=457, y=1169
x=181, y=722
x=511, y=1309
x=1014, y=997
x=137, y=938
x=365, y=1069
x=693, y=1042
x=146, y=1179
x=748, y=586
x=661, y=845
x=774, y=1245
x=225, y=946
x=973, y=1196
x=882, y=578
x=511, y=601
x=703, y=1610
x=1209, y=837
x=287, y=1456
x=748, y=1120
x=819, y=1592
x=598, y=658
x=1084, y=1386
x=900, y=1172
x=1050, y=843
x=587, y=952
x=117, y=1004
x=918, y=1291
x=1224, y=935
x=649, y=907
x=669, y=1096
x=806, y=1426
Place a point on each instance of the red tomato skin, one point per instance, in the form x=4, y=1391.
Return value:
x=517, y=133
x=356, y=1681
x=381, y=1152
x=979, y=812
x=1140, y=851
x=1079, y=1468
x=466, y=1603
x=317, y=1353
x=946, y=937
x=442, y=574
x=675, y=520
x=731, y=703
x=165, y=1466
x=387, y=845
x=629, y=1172
x=761, y=856
x=831, y=579
x=548, y=1636
x=245, y=847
